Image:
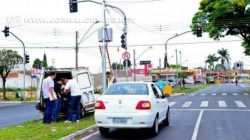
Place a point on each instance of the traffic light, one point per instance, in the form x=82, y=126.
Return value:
x=199, y=31
x=6, y=31
x=27, y=59
x=123, y=41
x=73, y=6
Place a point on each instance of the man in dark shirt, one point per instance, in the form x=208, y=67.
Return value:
x=57, y=105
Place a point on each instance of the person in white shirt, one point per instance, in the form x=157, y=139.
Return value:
x=49, y=96
x=74, y=104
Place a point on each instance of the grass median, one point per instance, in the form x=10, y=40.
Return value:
x=190, y=90
x=36, y=130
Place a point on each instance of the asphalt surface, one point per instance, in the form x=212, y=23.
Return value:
x=17, y=113
x=220, y=112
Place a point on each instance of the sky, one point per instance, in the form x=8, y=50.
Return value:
x=43, y=24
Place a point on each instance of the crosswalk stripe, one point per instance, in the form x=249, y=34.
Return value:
x=204, y=104
x=172, y=104
x=240, y=104
x=222, y=104
x=224, y=94
x=245, y=93
x=203, y=94
x=187, y=104
x=235, y=94
x=213, y=94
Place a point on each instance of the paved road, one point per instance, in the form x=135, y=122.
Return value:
x=16, y=113
x=216, y=113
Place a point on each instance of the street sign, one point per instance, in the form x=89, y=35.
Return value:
x=146, y=62
x=126, y=56
x=128, y=63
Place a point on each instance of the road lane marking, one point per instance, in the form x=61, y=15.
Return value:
x=91, y=135
x=172, y=104
x=203, y=94
x=191, y=94
x=187, y=104
x=224, y=94
x=199, y=109
x=222, y=104
x=240, y=104
x=204, y=104
x=245, y=93
x=213, y=94
x=235, y=94
x=197, y=126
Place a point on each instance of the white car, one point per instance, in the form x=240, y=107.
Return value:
x=132, y=105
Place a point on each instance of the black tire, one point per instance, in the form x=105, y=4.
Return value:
x=155, y=128
x=104, y=131
x=83, y=112
x=166, y=121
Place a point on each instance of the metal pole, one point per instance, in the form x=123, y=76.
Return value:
x=176, y=65
x=134, y=66
x=24, y=54
x=77, y=48
x=180, y=61
x=104, y=48
x=166, y=46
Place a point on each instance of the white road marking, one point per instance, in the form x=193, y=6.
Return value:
x=91, y=135
x=187, y=104
x=245, y=93
x=191, y=94
x=235, y=94
x=222, y=104
x=213, y=94
x=204, y=104
x=199, y=109
x=197, y=125
x=203, y=94
x=225, y=94
x=172, y=104
x=240, y=104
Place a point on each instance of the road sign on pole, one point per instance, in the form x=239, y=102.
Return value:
x=145, y=62
x=126, y=55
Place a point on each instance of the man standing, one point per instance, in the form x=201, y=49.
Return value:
x=110, y=79
x=74, y=99
x=58, y=102
x=160, y=84
x=49, y=96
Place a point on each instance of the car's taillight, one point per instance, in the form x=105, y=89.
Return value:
x=99, y=105
x=143, y=105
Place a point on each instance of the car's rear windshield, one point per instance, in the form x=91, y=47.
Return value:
x=127, y=89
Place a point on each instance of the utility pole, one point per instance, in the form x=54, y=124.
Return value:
x=77, y=49
x=134, y=66
x=176, y=65
x=104, y=48
x=159, y=63
x=180, y=61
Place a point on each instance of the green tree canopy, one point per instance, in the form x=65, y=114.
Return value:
x=224, y=56
x=222, y=18
x=211, y=59
x=37, y=62
x=8, y=59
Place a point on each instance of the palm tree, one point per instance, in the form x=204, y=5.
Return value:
x=224, y=56
x=211, y=59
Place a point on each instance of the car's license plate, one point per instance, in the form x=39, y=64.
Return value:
x=120, y=120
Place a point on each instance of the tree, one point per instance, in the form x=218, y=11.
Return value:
x=37, y=62
x=119, y=66
x=224, y=56
x=222, y=18
x=211, y=59
x=45, y=64
x=8, y=59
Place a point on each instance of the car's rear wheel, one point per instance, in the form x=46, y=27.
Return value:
x=83, y=113
x=104, y=131
x=166, y=121
x=155, y=128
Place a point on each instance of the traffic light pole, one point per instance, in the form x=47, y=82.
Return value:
x=23, y=63
x=166, y=65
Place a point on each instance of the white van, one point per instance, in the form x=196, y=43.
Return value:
x=83, y=78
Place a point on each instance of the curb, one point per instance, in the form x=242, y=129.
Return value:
x=79, y=133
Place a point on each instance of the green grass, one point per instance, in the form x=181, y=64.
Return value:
x=190, y=90
x=36, y=130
